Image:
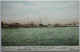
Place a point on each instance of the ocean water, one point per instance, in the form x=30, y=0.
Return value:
x=58, y=36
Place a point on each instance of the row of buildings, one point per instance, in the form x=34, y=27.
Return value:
x=32, y=25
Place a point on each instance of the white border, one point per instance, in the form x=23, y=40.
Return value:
x=79, y=25
x=40, y=48
x=0, y=26
x=39, y=0
x=36, y=0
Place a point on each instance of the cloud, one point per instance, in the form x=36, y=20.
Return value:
x=54, y=11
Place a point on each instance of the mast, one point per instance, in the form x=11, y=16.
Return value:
x=40, y=20
x=45, y=21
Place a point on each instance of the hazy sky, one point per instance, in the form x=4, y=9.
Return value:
x=54, y=11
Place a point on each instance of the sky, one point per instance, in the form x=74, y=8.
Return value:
x=51, y=11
